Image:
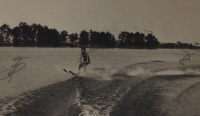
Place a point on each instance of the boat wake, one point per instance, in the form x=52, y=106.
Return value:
x=137, y=89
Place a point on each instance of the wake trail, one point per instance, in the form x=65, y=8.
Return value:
x=148, y=88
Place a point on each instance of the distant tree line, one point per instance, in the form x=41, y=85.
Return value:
x=138, y=40
x=177, y=45
x=32, y=35
x=42, y=36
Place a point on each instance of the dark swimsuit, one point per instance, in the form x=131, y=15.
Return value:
x=84, y=56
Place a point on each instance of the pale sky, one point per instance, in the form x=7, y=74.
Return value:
x=170, y=20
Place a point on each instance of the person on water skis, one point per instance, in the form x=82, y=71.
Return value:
x=84, y=59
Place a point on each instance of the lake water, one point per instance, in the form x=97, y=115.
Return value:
x=152, y=82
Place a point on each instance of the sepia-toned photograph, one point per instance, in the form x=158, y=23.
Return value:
x=99, y=58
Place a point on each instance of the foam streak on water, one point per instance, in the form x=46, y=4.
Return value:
x=130, y=76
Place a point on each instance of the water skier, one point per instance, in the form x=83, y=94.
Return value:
x=84, y=59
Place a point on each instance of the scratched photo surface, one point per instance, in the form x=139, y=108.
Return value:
x=130, y=74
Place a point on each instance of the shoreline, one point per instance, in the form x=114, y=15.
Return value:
x=99, y=47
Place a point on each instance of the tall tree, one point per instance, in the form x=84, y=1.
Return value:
x=109, y=40
x=126, y=38
x=54, y=38
x=102, y=39
x=17, y=40
x=63, y=36
x=26, y=34
x=41, y=36
x=122, y=38
x=138, y=40
x=48, y=37
x=73, y=37
x=1, y=38
x=34, y=31
x=94, y=38
x=5, y=36
x=84, y=38
x=151, y=41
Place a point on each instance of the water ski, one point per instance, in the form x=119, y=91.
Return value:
x=70, y=72
x=65, y=70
